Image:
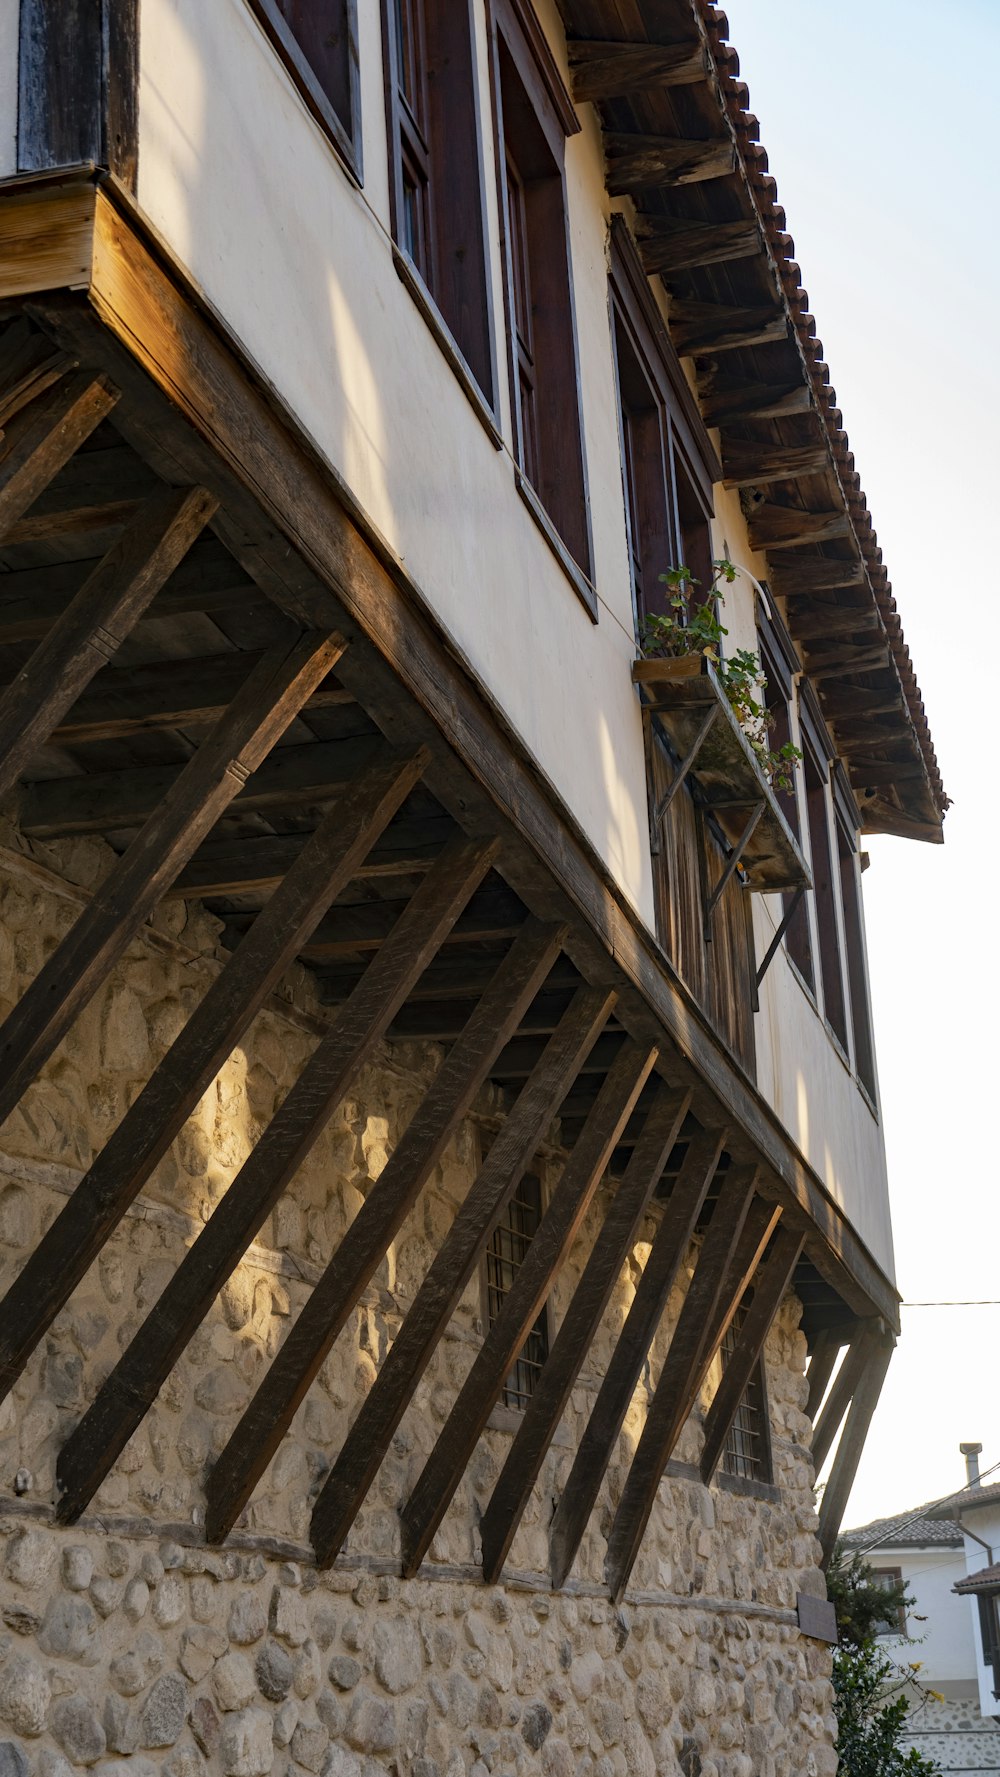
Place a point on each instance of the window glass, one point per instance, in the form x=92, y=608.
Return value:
x=747, y=1452
x=505, y=1254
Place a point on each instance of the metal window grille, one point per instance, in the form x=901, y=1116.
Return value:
x=747, y=1453
x=508, y=1245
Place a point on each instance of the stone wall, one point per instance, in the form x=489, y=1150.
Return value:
x=127, y=1644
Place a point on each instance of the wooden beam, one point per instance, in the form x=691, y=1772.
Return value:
x=841, y=1394
x=443, y=1020
x=169, y=694
x=837, y=1491
x=33, y=599
x=840, y=664
x=792, y=576
x=879, y=772
x=106, y=802
x=643, y=163
x=608, y=70
x=749, y=464
x=579, y=1327
x=838, y=620
x=389, y=1201
x=492, y=913
x=628, y=1356
x=737, y=1235
x=771, y=1281
x=29, y=364
x=107, y=606
x=732, y=403
x=73, y=1241
x=289, y=1137
x=667, y=246
x=699, y=328
x=269, y=701
x=45, y=436
x=783, y=527
x=78, y=86
x=246, y=865
x=516, y=1061
x=523, y=1302
x=441, y=1291
x=76, y=519
x=822, y=1364
x=195, y=413
x=843, y=702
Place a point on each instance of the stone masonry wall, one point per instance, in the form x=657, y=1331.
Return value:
x=126, y=1645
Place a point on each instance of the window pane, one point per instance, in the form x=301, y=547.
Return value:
x=825, y=892
x=747, y=1452
x=321, y=30
x=505, y=1254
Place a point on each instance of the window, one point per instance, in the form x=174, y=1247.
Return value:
x=824, y=889
x=533, y=115
x=778, y=660
x=889, y=1578
x=857, y=974
x=436, y=181
x=989, y=1629
x=508, y=1245
x=747, y=1452
x=317, y=41
x=668, y=464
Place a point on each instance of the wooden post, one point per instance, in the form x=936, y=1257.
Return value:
x=140, y=1372
x=78, y=86
x=579, y=1326
x=268, y=702
x=822, y=1364
x=441, y=1291
x=878, y=1354
x=70, y=1245
x=670, y=1243
x=856, y=1358
x=769, y=1286
x=546, y=1254
x=737, y=1234
x=91, y=629
x=388, y=1203
x=44, y=437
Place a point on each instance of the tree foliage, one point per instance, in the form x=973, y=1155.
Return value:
x=869, y=1688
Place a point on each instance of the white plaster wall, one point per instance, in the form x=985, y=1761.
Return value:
x=947, y=1651
x=250, y=196
x=985, y=1521
x=9, y=14
x=247, y=191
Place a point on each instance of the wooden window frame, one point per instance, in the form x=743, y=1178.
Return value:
x=780, y=666
x=846, y=826
x=638, y=326
x=543, y=1320
x=515, y=33
x=411, y=138
x=757, y=1387
x=825, y=864
x=343, y=134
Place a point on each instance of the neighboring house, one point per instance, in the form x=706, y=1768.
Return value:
x=944, y=1555
x=441, y=1105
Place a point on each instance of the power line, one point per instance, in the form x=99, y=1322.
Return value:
x=994, y=1303
x=969, y=1487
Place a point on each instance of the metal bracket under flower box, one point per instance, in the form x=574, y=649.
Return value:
x=687, y=699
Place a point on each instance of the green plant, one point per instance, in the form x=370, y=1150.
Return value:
x=693, y=627
x=869, y=1688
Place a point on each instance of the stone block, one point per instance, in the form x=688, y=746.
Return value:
x=247, y=1619
x=25, y=1695
x=233, y=1682
x=246, y=1744
x=69, y=1630
x=275, y=1671
x=399, y=1655
x=78, y=1730
x=162, y=1719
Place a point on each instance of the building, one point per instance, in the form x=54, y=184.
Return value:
x=441, y=1105
x=944, y=1554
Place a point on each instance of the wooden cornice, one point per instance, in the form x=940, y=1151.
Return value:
x=678, y=246
x=608, y=70
x=640, y=163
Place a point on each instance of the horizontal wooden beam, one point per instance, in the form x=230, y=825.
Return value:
x=841, y=663
x=609, y=70
x=698, y=328
x=33, y=599
x=72, y=521
x=247, y=865
x=104, y=611
x=794, y=576
x=643, y=163
x=105, y=802
x=881, y=771
x=666, y=247
x=225, y=1011
x=732, y=403
x=389, y=1201
x=746, y=464
x=143, y=1367
x=812, y=622
x=841, y=702
x=492, y=913
x=168, y=694
x=783, y=527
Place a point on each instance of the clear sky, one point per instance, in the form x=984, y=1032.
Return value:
x=880, y=127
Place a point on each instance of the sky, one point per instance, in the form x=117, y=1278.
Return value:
x=880, y=129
